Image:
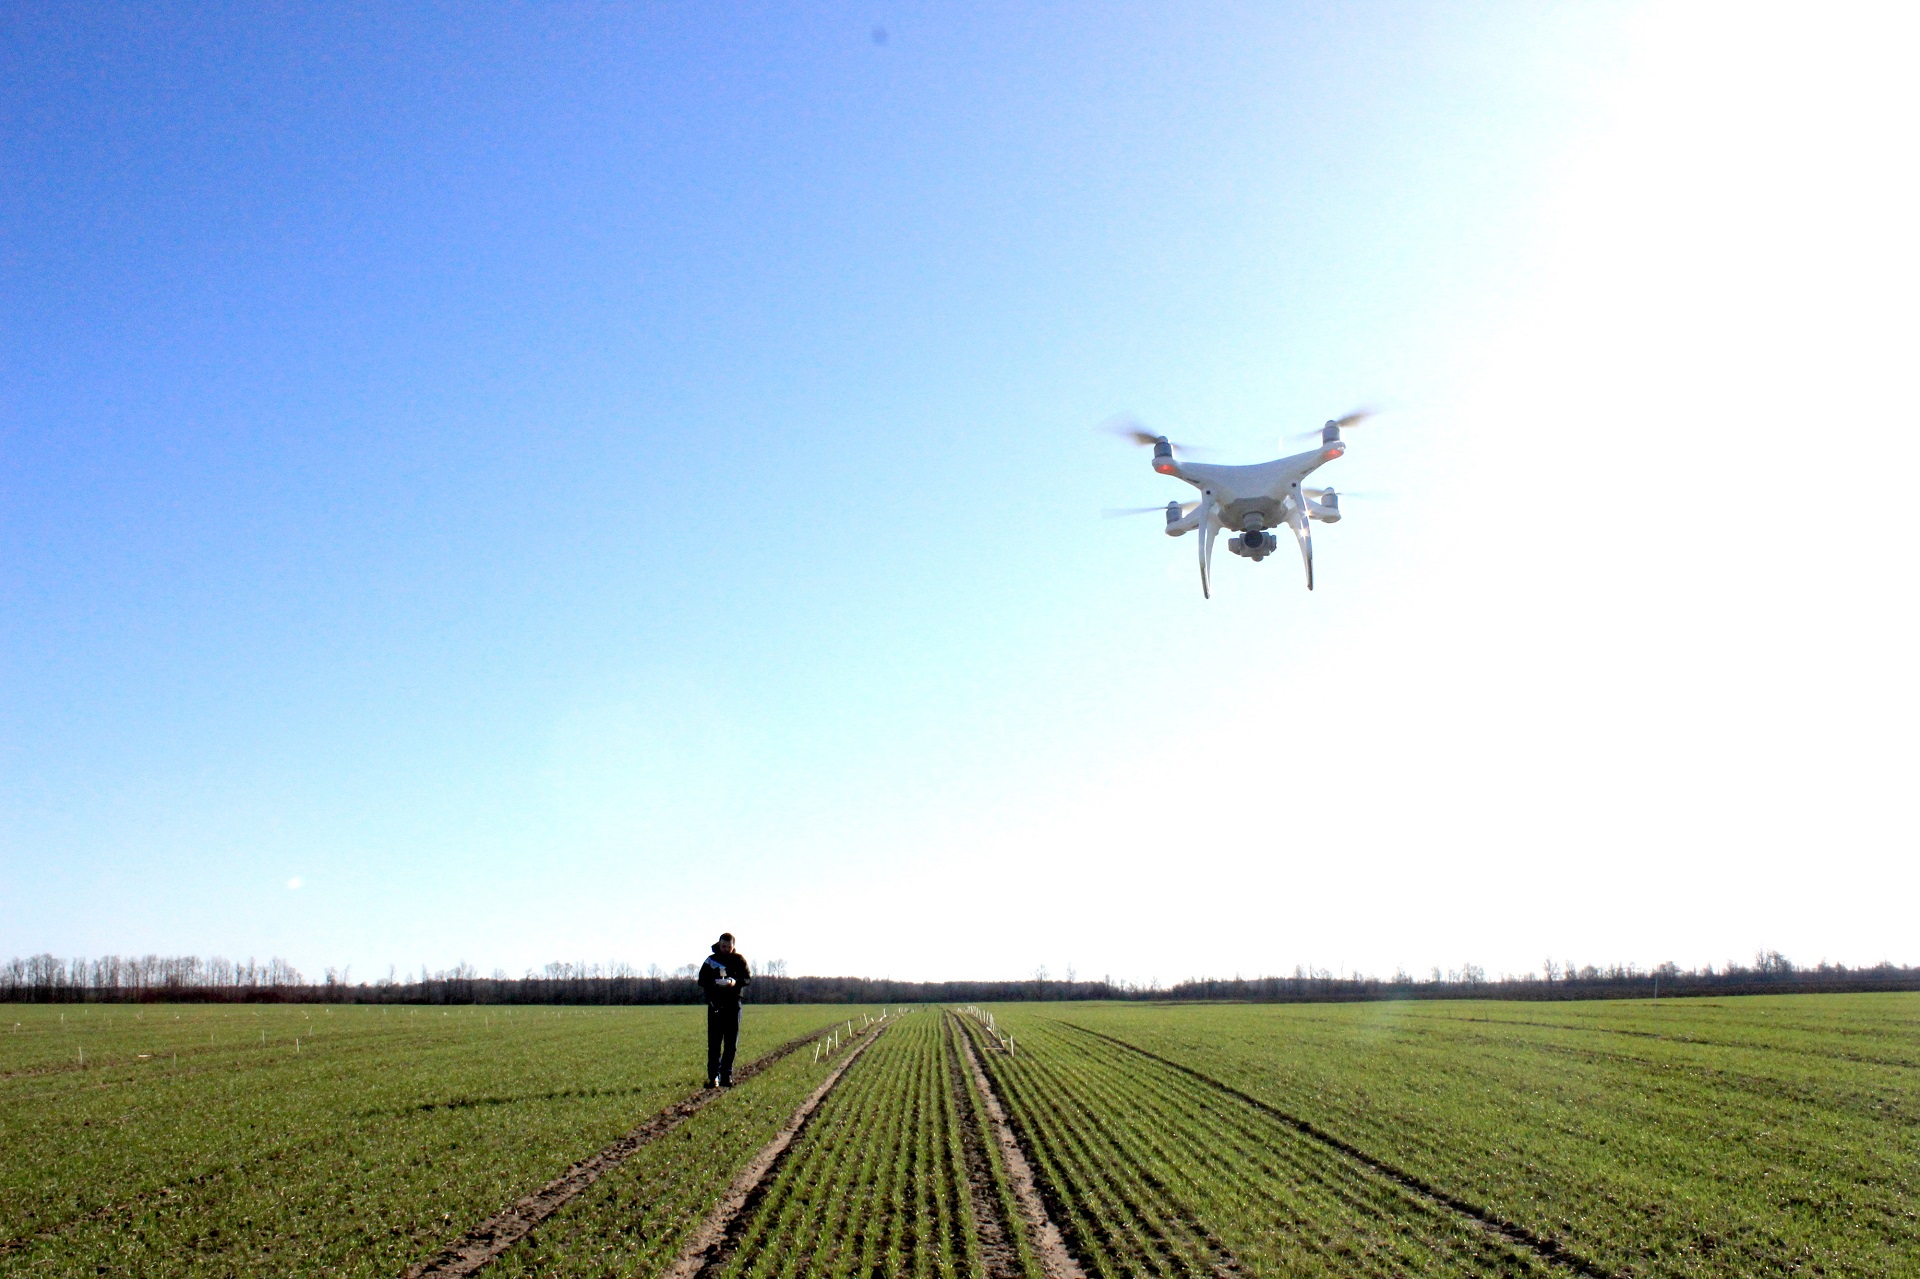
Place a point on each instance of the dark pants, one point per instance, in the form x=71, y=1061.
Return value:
x=723, y=1036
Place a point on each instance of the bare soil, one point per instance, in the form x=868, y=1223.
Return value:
x=1048, y=1243
x=998, y=1256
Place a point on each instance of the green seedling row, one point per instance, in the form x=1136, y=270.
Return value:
x=211, y=1140
x=1773, y=1135
x=876, y=1182
x=635, y=1220
x=1158, y=1175
x=1698, y=1139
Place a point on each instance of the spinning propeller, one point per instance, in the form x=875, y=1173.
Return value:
x=1338, y=424
x=1133, y=431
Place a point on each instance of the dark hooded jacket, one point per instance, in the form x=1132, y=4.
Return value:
x=728, y=965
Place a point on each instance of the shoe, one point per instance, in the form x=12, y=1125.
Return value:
x=713, y=1083
x=726, y=1083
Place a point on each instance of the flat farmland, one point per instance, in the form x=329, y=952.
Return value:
x=348, y=1140
x=1710, y=1137
x=1743, y=1136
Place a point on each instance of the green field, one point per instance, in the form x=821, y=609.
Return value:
x=1713, y=1137
x=1770, y=1135
x=238, y=1140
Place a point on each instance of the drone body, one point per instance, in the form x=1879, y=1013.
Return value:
x=1252, y=501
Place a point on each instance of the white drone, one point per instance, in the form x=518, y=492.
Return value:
x=1251, y=499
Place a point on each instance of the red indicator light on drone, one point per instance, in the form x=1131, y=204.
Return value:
x=1165, y=468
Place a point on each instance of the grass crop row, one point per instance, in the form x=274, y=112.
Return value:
x=200, y=1140
x=1159, y=1175
x=876, y=1183
x=1734, y=1136
x=634, y=1220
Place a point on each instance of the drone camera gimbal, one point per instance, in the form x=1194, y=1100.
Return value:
x=1254, y=544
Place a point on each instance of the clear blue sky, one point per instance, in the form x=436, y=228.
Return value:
x=513, y=483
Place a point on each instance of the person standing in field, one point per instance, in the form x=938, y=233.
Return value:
x=723, y=979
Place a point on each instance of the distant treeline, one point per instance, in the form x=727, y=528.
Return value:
x=190, y=979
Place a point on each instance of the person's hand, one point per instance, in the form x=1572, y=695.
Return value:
x=724, y=981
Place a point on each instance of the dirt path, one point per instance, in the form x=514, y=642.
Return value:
x=715, y=1241
x=1511, y=1233
x=998, y=1256
x=498, y=1233
x=1048, y=1243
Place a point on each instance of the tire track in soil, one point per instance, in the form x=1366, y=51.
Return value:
x=998, y=1256
x=1511, y=1232
x=1049, y=1244
x=504, y=1229
x=711, y=1247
